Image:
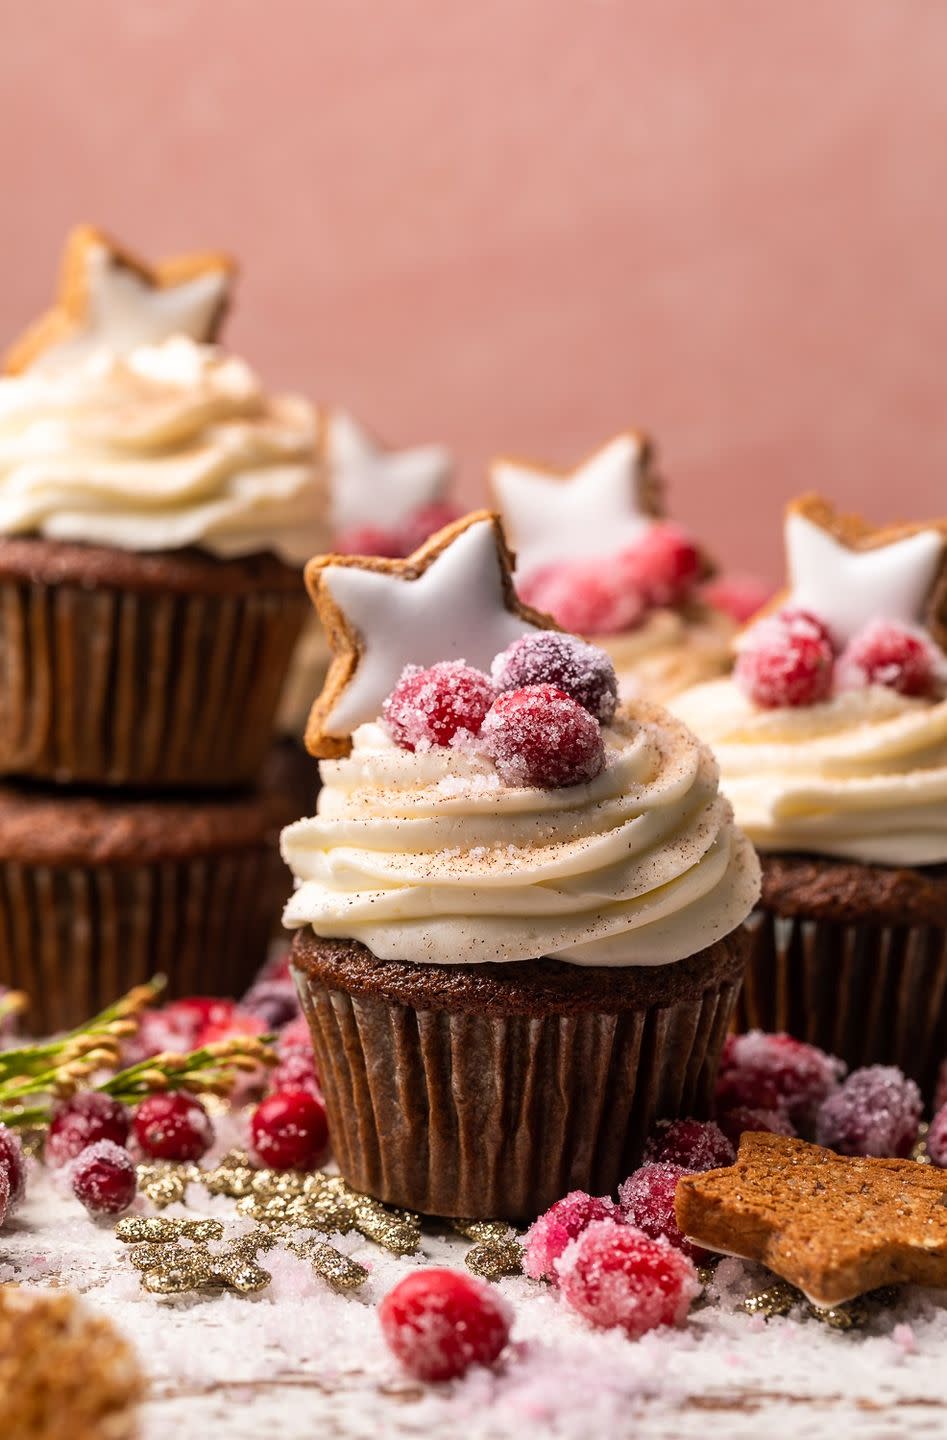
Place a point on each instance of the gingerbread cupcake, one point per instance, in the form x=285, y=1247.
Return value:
x=518, y=909
x=596, y=551
x=156, y=506
x=832, y=742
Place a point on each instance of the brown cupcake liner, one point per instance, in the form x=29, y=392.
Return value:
x=873, y=994
x=125, y=687
x=468, y=1112
x=76, y=937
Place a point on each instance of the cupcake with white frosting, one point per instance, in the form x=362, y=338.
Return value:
x=519, y=906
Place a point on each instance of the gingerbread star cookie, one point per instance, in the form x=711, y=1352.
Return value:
x=111, y=300
x=601, y=507
x=453, y=599
x=835, y=1226
x=848, y=572
x=372, y=485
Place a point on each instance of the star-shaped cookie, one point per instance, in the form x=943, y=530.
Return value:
x=599, y=508
x=848, y=572
x=453, y=599
x=372, y=485
x=835, y=1226
x=111, y=300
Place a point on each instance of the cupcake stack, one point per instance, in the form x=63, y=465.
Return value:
x=155, y=508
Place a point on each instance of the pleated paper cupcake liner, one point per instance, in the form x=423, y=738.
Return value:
x=871, y=994
x=470, y=1114
x=116, y=687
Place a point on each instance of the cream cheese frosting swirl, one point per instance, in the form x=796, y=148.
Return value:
x=428, y=857
x=862, y=776
x=175, y=444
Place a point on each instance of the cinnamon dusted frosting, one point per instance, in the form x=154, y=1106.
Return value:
x=428, y=857
x=862, y=776
x=174, y=444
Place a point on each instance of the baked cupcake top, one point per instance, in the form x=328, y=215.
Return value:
x=122, y=425
x=831, y=735
x=507, y=815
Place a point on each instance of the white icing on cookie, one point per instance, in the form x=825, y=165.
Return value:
x=596, y=510
x=369, y=485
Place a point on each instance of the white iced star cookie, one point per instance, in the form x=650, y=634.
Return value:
x=110, y=300
x=601, y=507
x=372, y=485
x=453, y=599
x=848, y=572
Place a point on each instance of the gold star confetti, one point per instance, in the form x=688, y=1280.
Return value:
x=781, y=1298
x=327, y=1203
x=165, y=1184
x=159, y=1230
x=496, y=1251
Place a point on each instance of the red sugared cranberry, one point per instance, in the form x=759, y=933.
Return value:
x=440, y=1322
x=549, y=1235
x=369, y=540
x=272, y=1002
x=876, y=1111
x=431, y=707
x=86, y=1117
x=290, y=1131
x=13, y=1164
x=665, y=565
x=937, y=1139
x=695, y=1144
x=786, y=659
x=897, y=656
x=103, y=1178
x=572, y=665
x=739, y=596
x=173, y=1126
x=775, y=1072
x=616, y=1276
x=741, y=1120
x=296, y=1071
x=294, y=1036
x=647, y=1199
x=585, y=598
x=5, y=1201
x=541, y=736
x=424, y=523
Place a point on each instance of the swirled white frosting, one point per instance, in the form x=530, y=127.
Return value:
x=862, y=776
x=175, y=444
x=430, y=858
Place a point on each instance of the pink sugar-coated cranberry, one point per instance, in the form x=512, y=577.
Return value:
x=369, y=540
x=615, y=1276
x=540, y=736
x=103, y=1178
x=13, y=1164
x=647, y=1200
x=695, y=1144
x=550, y=658
x=294, y=1036
x=900, y=657
x=665, y=564
x=80, y=1121
x=296, y=1071
x=440, y=1322
x=431, y=707
x=742, y=1120
x=739, y=596
x=775, y=1072
x=877, y=1111
x=585, y=598
x=289, y=1131
x=937, y=1139
x=424, y=523
x=549, y=1235
x=787, y=659
x=173, y=1126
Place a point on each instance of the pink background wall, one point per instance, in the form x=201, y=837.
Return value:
x=521, y=225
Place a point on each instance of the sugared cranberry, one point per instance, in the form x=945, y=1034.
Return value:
x=616, y=1276
x=877, y=1111
x=103, y=1178
x=572, y=665
x=775, y=1072
x=80, y=1121
x=937, y=1139
x=647, y=1200
x=431, y=707
x=665, y=565
x=369, y=540
x=5, y=1202
x=173, y=1126
x=786, y=659
x=296, y=1071
x=739, y=596
x=440, y=1322
x=294, y=1036
x=695, y=1144
x=741, y=1120
x=549, y=1235
x=899, y=657
x=13, y=1164
x=541, y=736
x=290, y=1131
x=424, y=523
x=272, y=1003
x=585, y=598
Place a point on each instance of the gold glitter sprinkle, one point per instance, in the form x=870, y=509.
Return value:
x=158, y=1229
x=165, y=1184
x=781, y=1298
x=491, y=1259
x=328, y=1204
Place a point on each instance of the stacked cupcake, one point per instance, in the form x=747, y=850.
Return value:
x=155, y=507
